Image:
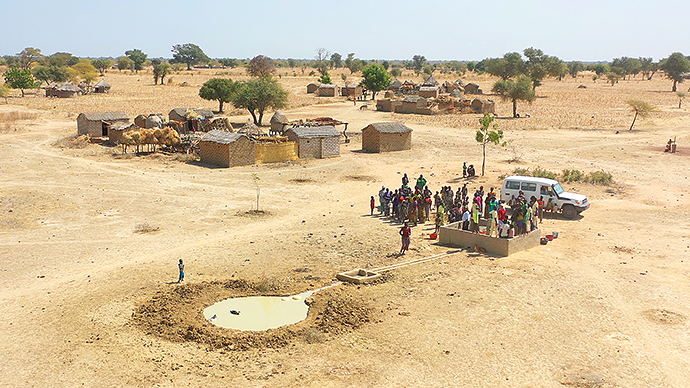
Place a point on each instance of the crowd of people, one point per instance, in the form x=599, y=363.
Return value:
x=414, y=204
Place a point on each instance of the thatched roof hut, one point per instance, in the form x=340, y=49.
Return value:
x=483, y=105
x=96, y=124
x=315, y=142
x=428, y=91
x=327, y=90
x=431, y=81
x=226, y=149
x=252, y=130
x=278, y=121
x=472, y=88
x=183, y=114
x=67, y=90
x=395, y=84
x=386, y=136
x=101, y=87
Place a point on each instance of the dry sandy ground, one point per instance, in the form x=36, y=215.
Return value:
x=604, y=305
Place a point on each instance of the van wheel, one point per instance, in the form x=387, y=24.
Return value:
x=569, y=212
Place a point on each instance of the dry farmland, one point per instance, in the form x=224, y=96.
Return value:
x=90, y=238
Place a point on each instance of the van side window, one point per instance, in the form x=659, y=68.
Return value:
x=529, y=186
x=546, y=190
x=511, y=185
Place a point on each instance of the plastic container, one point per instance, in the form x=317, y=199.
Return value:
x=555, y=234
x=549, y=237
x=543, y=241
x=433, y=236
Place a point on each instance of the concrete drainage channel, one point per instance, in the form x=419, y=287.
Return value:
x=258, y=313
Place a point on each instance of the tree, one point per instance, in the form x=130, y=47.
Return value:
x=675, y=66
x=396, y=72
x=321, y=60
x=641, y=109
x=62, y=60
x=515, y=90
x=352, y=63
x=599, y=68
x=138, y=58
x=261, y=66
x=219, y=89
x=511, y=65
x=488, y=132
x=102, y=64
x=85, y=71
x=257, y=94
x=630, y=66
x=376, y=78
x=28, y=56
x=555, y=67
x=428, y=71
x=325, y=78
x=124, y=63
x=160, y=70
x=613, y=77
x=681, y=96
x=229, y=62
x=418, y=62
x=188, y=53
x=574, y=68
x=19, y=79
x=536, y=66
x=50, y=73
x=336, y=60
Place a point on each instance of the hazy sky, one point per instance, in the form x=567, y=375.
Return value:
x=585, y=30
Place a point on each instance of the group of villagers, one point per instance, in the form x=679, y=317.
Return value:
x=412, y=205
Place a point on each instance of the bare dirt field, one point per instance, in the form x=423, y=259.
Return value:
x=89, y=241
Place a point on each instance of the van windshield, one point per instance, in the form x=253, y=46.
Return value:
x=558, y=189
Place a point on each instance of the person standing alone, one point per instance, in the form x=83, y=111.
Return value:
x=181, y=267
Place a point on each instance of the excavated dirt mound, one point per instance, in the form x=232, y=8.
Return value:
x=177, y=315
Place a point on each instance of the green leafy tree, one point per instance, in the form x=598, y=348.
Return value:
x=648, y=67
x=124, y=63
x=102, y=64
x=85, y=71
x=599, y=68
x=19, y=79
x=640, y=108
x=471, y=66
x=613, y=77
x=137, y=57
x=190, y=54
x=396, y=72
x=630, y=66
x=386, y=64
x=11, y=60
x=488, y=132
x=418, y=62
x=230, y=62
x=520, y=90
x=536, y=66
x=681, y=96
x=325, y=78
x=62, y=60
x=555, y=67
x=28, y=56
x=220, y=89
x=511, y=65
x=675, y=67
x=428, y=71
x=160, y=70
x=352, y=63
x=258, y=94
x=574, y=68
x=261, y=66
x=336, y=60
x=376, y=78
x=50, y=73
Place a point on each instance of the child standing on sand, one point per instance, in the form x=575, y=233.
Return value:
x=181, y=267
x=372, y=205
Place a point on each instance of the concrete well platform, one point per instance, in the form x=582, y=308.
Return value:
x=451, y=235
x=358, y=276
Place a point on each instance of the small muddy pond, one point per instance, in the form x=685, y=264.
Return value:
x=257, y=313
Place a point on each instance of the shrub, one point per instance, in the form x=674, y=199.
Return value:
x=522, y=171
x=573, y=175
x=600, y=178
x=542, y=173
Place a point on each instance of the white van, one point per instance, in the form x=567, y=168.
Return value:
x=570, y=204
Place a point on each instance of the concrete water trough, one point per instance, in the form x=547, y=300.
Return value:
x=358, y=276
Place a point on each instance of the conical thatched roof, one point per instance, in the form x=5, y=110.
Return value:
x=279, y=118
x=68, y=87
x=102, y=84
x=396, y=83
x=431, y=81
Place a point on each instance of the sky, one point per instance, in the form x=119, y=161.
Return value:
x=585, y=30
